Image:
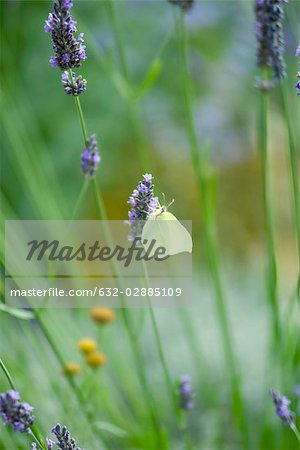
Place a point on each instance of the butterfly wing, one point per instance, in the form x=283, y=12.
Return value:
x=178, y=239
x=167, y=232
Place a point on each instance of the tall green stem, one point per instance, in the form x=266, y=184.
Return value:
x=296, y=431
x=182, y=425
x=294, y=167
x=7, y=374
x=80, y=197
x=138, y=356
x=271, y=270
x=132, y=104
x=210, y=236
x=163, y=361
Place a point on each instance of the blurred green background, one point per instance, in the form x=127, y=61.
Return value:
x=41, y=179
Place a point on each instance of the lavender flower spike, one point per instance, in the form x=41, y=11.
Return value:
x=186, y=397
x=16, y=413
x=75, y=86
x=282, y=408
x=270, y=37
x=69, y=50
x=143, y=203
x=90, y=157
x=64, y=439
x=185, y=5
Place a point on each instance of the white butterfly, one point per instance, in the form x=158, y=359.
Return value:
x=163, y=227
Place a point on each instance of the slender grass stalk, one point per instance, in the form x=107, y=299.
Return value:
x=132, y=105
x=271, y=270
x=210, y=235
x=296, y=432
x=137, y=353
x=294, y=168
x=33, y=429
x=81, y=118
x=99, y=200
x=162, y=358
x=182, y=425
x=80, y=198
x=181, y=419
x=7, y=374
x=58, y=355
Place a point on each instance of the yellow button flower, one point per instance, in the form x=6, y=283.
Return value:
x=96, y=359
x=71, y=368
x=87, y=345
x=102, y=315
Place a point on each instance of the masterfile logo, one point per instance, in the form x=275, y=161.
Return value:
x=72, y=264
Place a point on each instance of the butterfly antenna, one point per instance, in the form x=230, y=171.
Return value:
x=171, y=203
x=165, y=206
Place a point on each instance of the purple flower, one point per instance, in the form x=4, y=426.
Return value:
x=16, y=413
x=67, y=4
x=186, y=396
x=185, y=5
x=49, y=443
x=143, y=203
x=90, y=157
x=69, y=51
x=282, y=408
x=269, y=35
x=75, y=86
x=64, y=439
x=298, y=87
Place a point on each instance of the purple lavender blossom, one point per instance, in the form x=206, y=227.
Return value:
x=75, y=86
x=270, y=37
x=69, y=51
x=186, y=396
x=64, y=439
x=185, y=5
x=90, y=157
x=143, y=203
x=282, y=408
x=16, y=413
x=49, y=443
